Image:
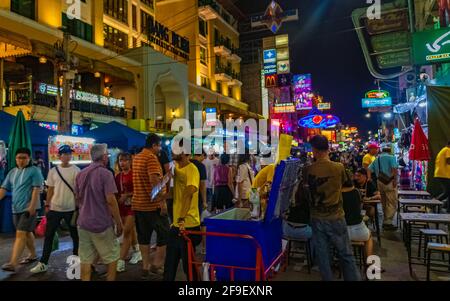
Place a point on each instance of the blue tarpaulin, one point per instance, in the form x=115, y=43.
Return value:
x=117, y=135
x=39, y=135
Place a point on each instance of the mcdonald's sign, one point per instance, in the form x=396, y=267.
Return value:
x=271, y=80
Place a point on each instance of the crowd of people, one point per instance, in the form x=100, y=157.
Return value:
x=332, y=203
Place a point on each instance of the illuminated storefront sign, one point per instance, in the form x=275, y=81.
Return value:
x=81, y=148
x=376, y=98
x=211, y=116
x=284, y=80
x=431, y=46
x=270, y=69
x=270, y=56
x=271, y=81
x=303, y=96
x=376, y=102
x=284, y=108
x=283, y=54
x=51, y=90
x=324, y=106
x=377, y=94
x=283, y=67
x=52, y=126
x=160, y=35
x=318, y=121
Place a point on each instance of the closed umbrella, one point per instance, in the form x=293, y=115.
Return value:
x=19, y=137
x=419, y=151
x=419, y=144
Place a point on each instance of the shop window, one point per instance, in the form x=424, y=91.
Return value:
x=114, y=38
x=134, y=17
x=26, y=8
x=77, y=28
x=219, y=87
x=203, y=27
x=148, y=2
x=144, y=21
x=203, y=55
x=204, y=81
x=118, y=9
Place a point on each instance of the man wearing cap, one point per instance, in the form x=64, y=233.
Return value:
x=371, y=156
x=60, y=204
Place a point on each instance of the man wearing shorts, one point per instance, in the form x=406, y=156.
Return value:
x=99, y=214
x=147, y=173
x=25, y=183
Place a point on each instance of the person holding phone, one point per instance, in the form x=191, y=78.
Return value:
x=25, y=183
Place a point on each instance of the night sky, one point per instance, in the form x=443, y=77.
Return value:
x=324, y=43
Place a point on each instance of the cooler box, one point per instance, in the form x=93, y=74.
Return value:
x=241, y=252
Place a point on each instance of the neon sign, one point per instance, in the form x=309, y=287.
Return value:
x=377, y=94
x=317, y=120
x=46, y=89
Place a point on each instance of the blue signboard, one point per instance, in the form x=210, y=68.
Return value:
x=270, y=56
x=210, y=110
x=270, y=69
x=376, y=102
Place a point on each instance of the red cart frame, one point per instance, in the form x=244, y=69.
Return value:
x=261, y=273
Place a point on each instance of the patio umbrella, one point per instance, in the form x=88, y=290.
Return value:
x=419, y=144
x=19, y=137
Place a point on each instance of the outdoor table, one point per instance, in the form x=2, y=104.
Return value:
x=433, y=204
x=408, y=218
x=375, y=203
x=414, y=193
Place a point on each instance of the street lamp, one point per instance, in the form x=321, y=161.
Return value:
x=369, y=132
x=368, y=115
x=387, y=115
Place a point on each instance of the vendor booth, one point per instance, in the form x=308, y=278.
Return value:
x=117, y=135
x=235, y=249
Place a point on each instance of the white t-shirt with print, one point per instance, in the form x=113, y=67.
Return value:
x=63, y=198
x=210, y=165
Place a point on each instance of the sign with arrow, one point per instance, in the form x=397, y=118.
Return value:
x=430, y=47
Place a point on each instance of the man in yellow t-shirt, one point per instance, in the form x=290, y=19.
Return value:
x=442, y=173
x=371, y=156
x=186, y=214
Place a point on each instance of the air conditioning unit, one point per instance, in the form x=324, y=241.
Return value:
x=410, y=77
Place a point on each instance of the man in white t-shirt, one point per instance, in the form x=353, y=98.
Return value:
x=244, y=180
x=210, y=163
x=60, y=205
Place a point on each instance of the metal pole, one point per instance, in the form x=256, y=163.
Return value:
x=64, y=120
x=1, y=85
x=411, y=16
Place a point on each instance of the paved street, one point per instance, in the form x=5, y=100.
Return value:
x=393, y=259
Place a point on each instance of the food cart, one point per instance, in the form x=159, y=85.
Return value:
x=236, y=243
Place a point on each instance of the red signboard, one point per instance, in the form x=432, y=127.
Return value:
x=271, y=81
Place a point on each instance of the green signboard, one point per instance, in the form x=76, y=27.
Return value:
x=394, y=59
x=430, y=47
x=390, y=41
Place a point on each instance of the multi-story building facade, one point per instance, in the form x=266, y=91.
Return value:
x=214, y=63
x=145, y=87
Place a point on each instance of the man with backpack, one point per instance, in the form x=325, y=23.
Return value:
x=385, y=167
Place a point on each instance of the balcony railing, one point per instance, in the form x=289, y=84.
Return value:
x=22, y=94
x=218, y=10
